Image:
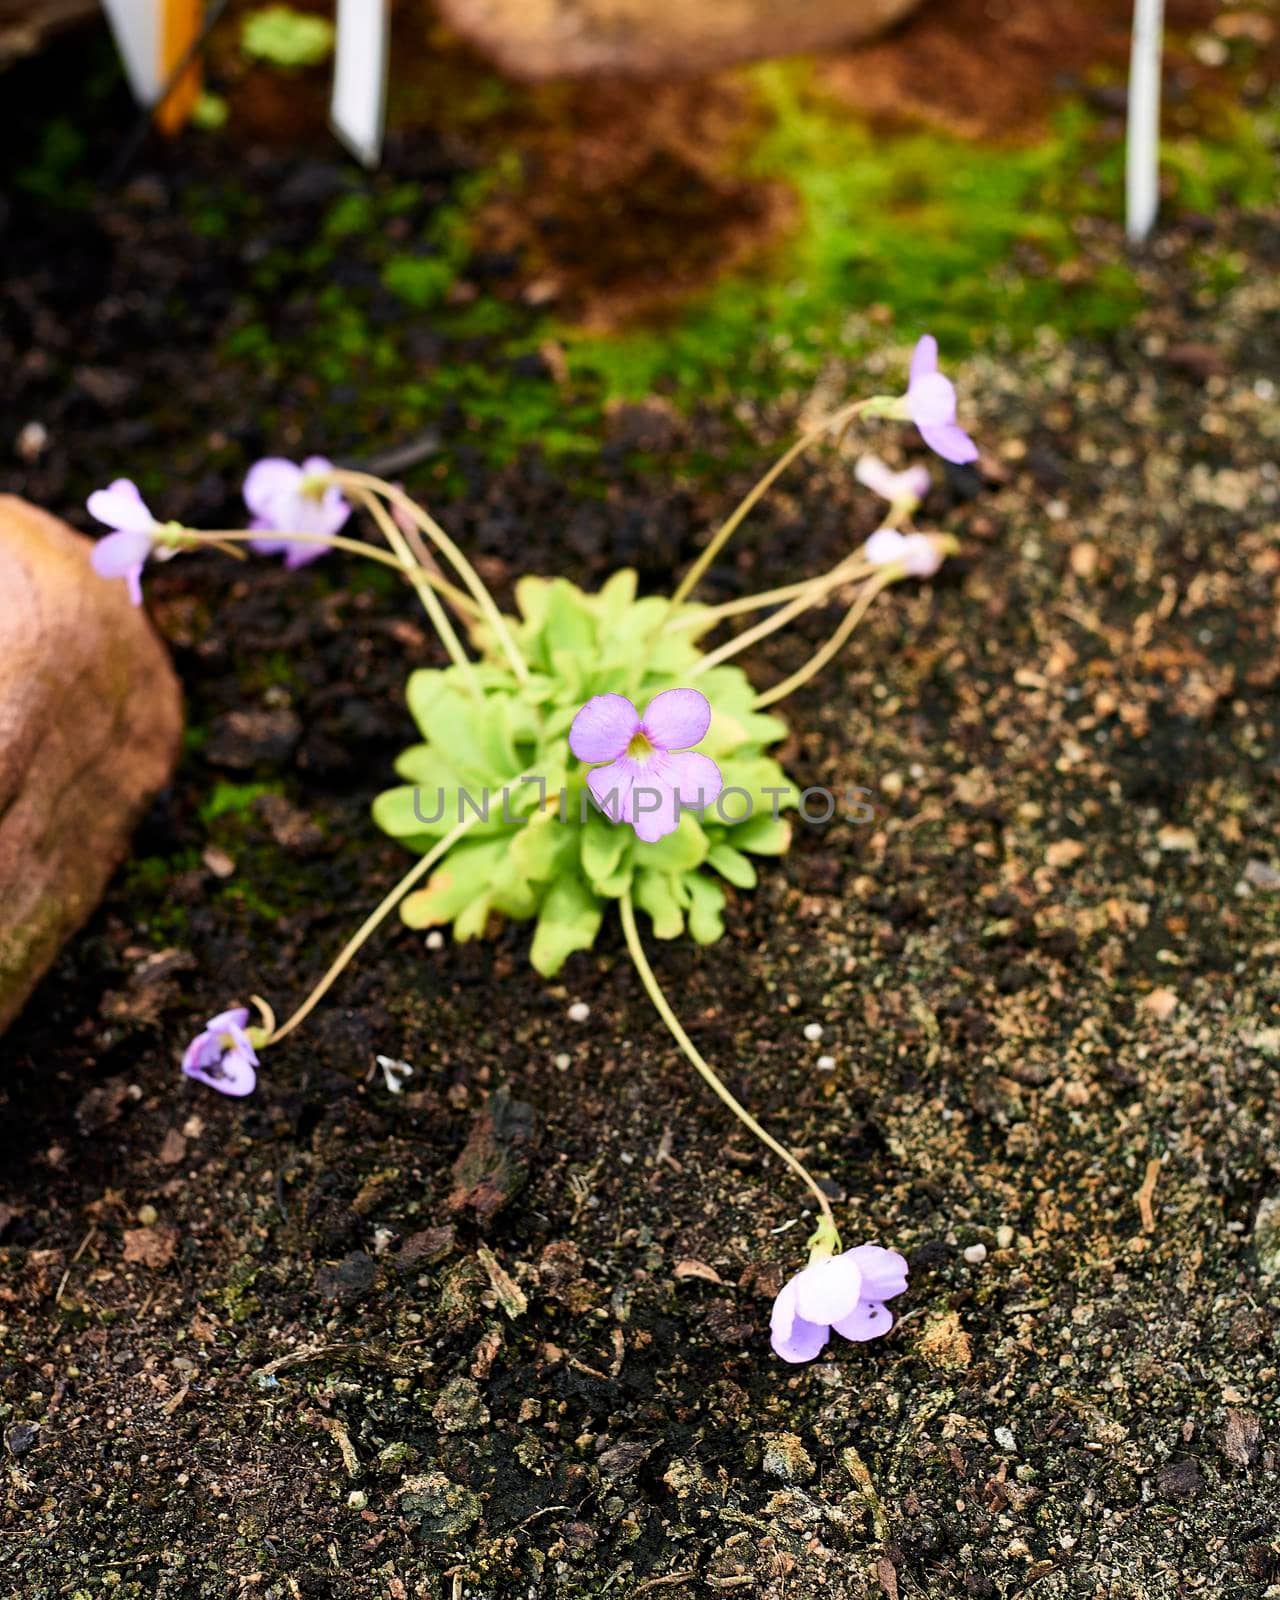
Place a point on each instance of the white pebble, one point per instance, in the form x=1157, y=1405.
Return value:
x=813, y=1031
x=826, y=1063
x=976, y=1254
x=1005, y=1439
x=564, y=1061
x=435, y=940
x=1004, y=1236
x=579, y=1011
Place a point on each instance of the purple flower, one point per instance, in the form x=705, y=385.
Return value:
x=931, y=405
x=845, y=1292
x=906, y=489
x=223, y=1056
x=652, y=773
x=286, y=498
x=917, y=552
x=123, y=554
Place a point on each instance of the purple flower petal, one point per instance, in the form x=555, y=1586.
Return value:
x=794, y=1339
x=924, y=358
x=297, y=554
x=676, y=719
x=949, y=441
x=119, y=554
x=202, y=1052
x=226, y=1020
x=121, y=507
x=655, y=805
x=267, y=481
x=868, y=1320
x=604, y=728
x=884, y=1272
x=828, y=1290
x=885, y=545
x=932, y=401
x=695, y=779
x=611, y=787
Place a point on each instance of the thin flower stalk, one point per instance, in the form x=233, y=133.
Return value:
x=430, y=602
x=809, y=595
x=450, y=551
x=838, y=419
x=358, y=547
x=708, y=1074
x=866, y=595
x=368, y=927
x=847, y=571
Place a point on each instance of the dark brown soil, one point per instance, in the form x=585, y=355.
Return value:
x=285, y=1348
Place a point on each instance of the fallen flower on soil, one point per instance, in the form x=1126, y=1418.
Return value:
x=223, y=1055
x=845, y=1292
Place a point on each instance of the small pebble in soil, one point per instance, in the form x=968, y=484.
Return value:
x=813, y=1031
x=826, y=1063
x=1004, y=1236
x=147, y=1215
x=976, y=1254
x=564, y=1061
x=357, y=1499
x=435, y=940
x=579, y=1011
x=785, y=1457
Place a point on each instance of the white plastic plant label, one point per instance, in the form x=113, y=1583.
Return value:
x=359, y=108
x=138, y=26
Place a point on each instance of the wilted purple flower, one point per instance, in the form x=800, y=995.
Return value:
x=918, y=553
x=652, y=773
x=223, y=1056
x=931, y=405
x=123, y=554
x=845, y=1292
x=905, y=489
x=286, y=498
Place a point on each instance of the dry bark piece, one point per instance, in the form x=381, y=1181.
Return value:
x=90, y=715
x=494, y=1163
x=659, y=38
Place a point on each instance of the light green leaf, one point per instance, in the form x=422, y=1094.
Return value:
x=763, y=835
x=706, y=923
x=569, y=920
x=603, y=846
x=655, y=893
x=732, y=864
x=679, y=851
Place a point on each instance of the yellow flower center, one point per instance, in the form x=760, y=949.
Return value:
x=639, y=749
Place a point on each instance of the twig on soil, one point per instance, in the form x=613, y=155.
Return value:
x=335, y=1428
x=83, y=1246
x=668, y=1582
x=320, y=1352
x=857, y=1470
x=1146, y=1194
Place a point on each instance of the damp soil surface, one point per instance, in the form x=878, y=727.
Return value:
x=505, y=1332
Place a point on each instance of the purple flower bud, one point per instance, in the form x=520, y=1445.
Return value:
x=845, y=1292
x=898, y=488
x=285, y=498
x=223, y=1055
x=918, y=553
x=652, y=774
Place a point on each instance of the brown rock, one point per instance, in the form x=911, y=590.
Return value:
x=659, y=38
x=90, y=715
